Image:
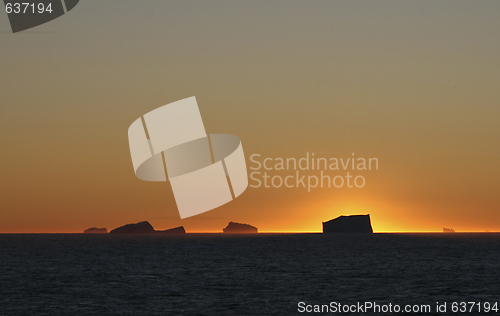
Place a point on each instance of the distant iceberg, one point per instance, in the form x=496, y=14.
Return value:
x=95, y=230
x=349, y=224
x=238, y=228
x=145, y=228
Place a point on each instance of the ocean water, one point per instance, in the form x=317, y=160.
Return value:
x=264, y=274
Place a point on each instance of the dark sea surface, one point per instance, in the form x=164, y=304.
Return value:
x=265, y=274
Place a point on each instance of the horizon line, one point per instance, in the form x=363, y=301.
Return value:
x=269, y=232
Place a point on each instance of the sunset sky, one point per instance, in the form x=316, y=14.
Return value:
x=414, y=84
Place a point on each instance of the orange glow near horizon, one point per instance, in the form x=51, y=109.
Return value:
x=416, y=89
